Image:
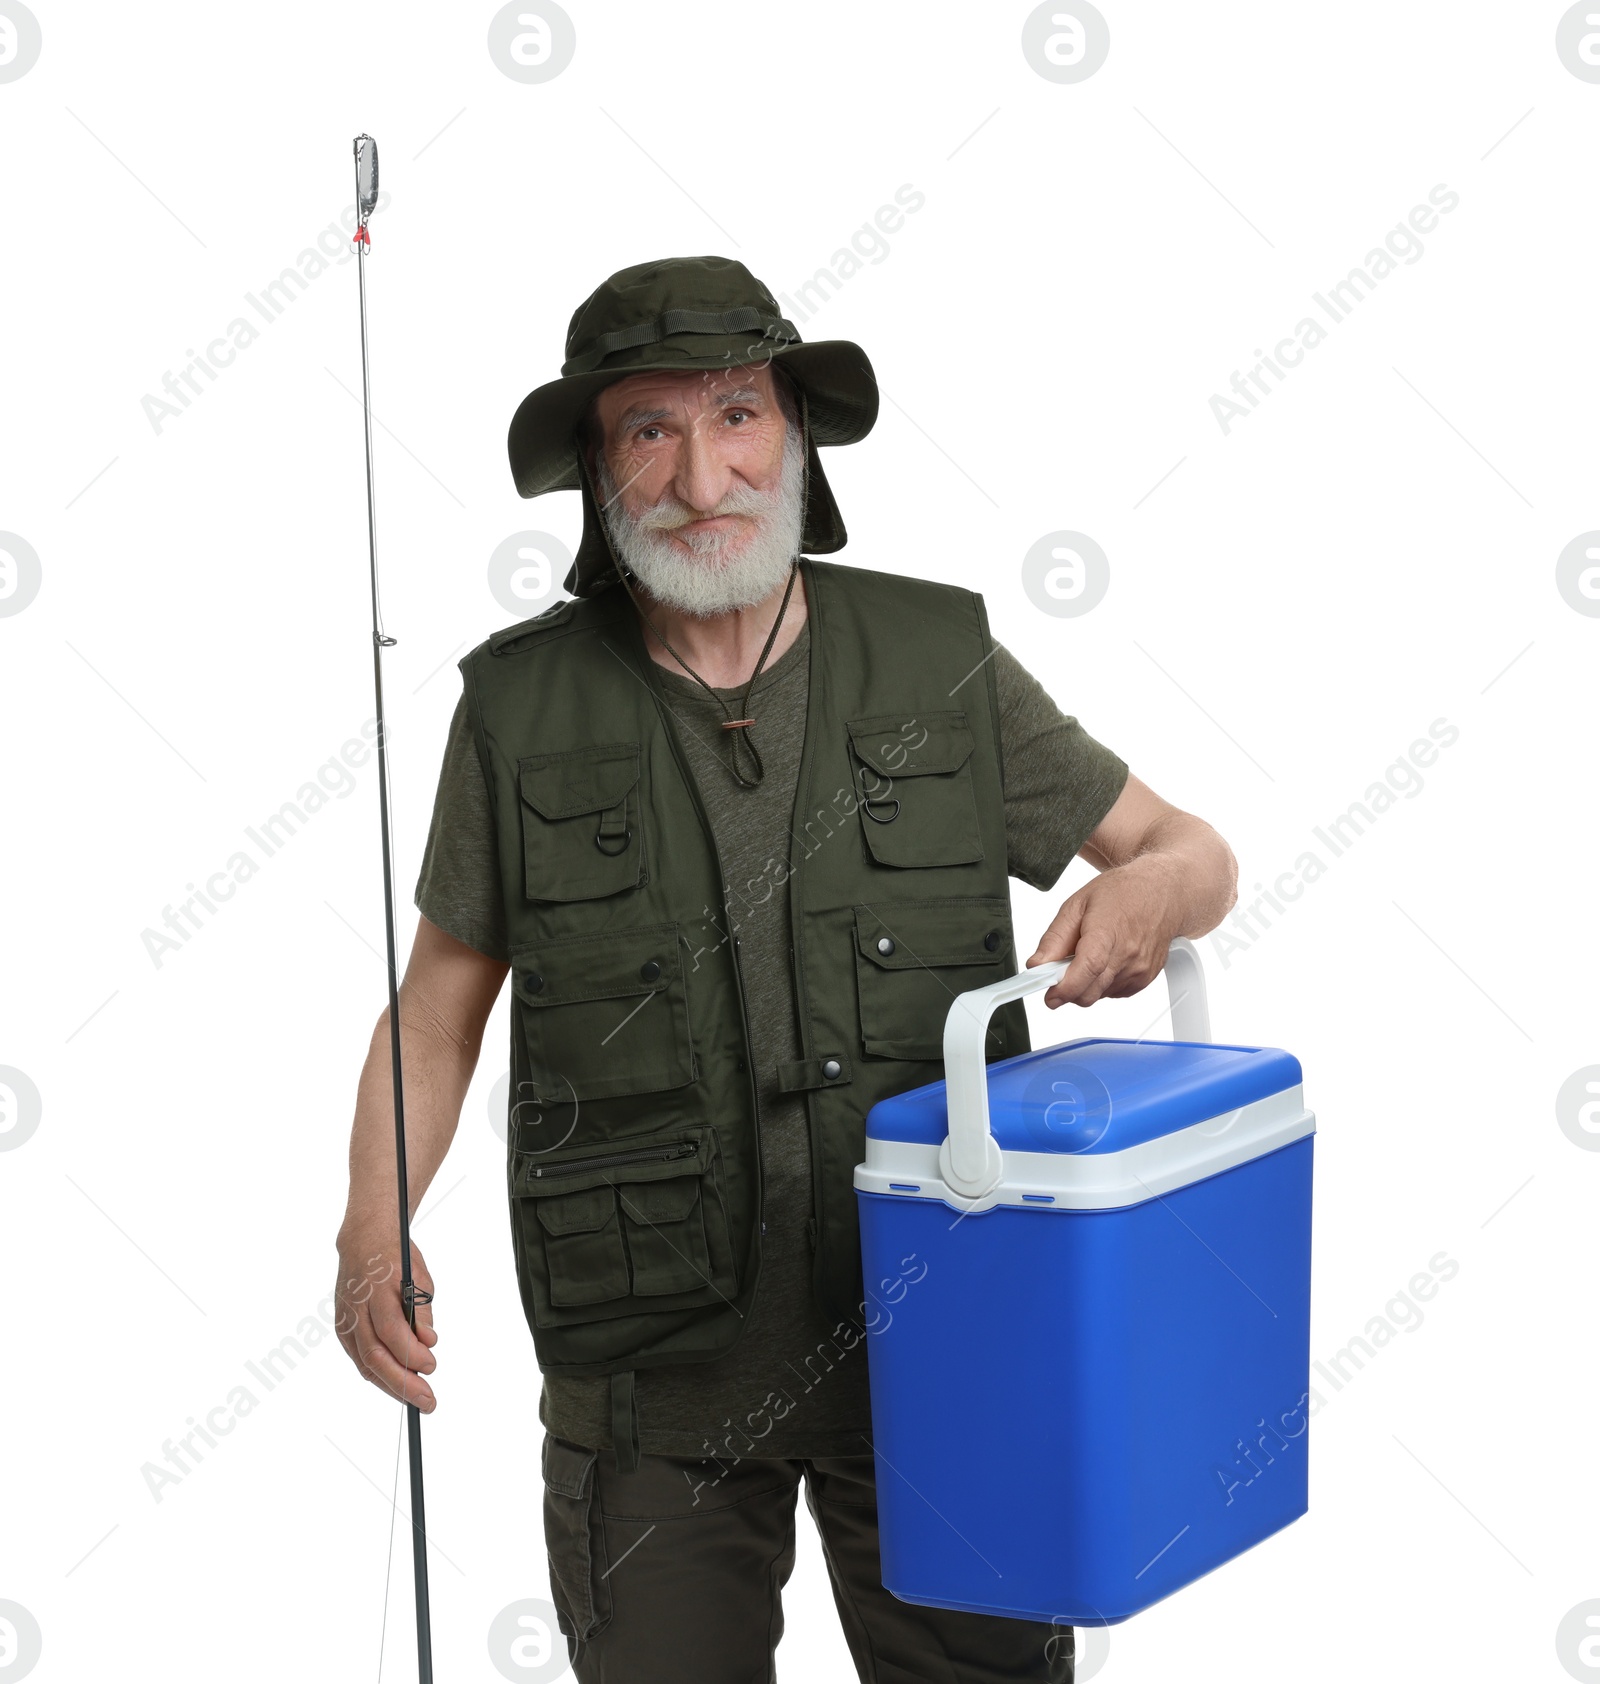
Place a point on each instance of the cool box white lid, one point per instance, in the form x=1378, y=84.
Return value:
x=1095, y=1124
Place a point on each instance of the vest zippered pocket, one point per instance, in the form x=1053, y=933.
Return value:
x=612, y=1160
x=632, y=1227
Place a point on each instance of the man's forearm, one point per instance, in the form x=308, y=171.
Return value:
x=1196, y=869
x=445, y=999
x=437, y=1067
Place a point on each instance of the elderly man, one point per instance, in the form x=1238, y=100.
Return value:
x=739, y=824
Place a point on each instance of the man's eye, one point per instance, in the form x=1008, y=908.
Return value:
x=738, y=415
x=649, y=434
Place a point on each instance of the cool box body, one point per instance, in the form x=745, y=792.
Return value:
x=1089, y=1378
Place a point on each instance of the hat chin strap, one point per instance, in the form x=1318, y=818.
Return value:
x=805, y=461
x=600, y=515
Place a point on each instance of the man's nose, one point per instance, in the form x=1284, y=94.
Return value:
x=703, y=477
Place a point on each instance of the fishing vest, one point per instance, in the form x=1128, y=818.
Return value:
x=633, y=1133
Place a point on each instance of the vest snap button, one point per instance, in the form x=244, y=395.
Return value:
x=532, y=981
x=831, y=1068
x=885, y=946
x=650, y=970
x=992, y=940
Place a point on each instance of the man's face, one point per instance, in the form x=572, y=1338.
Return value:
x=700, y=481
x=695, y=437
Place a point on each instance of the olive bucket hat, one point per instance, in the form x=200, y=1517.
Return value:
x=676, y=314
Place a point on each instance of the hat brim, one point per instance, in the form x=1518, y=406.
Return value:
x=841, y=397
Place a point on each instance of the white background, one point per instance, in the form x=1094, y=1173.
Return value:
x=1372, y=549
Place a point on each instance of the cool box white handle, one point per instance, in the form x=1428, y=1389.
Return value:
x=969, y=1159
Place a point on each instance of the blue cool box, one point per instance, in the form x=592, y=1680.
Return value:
x=1090, y=1379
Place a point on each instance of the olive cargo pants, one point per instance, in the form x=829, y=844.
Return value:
x=673, y=1574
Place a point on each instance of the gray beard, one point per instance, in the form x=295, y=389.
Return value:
x=723, y=571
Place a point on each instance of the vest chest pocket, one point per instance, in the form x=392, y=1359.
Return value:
x=581, y=836
x=601, y=1229
x=914, y=957
x=914, y=786
x=603, y=1015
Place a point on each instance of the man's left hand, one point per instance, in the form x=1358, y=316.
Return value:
x=1163, y=873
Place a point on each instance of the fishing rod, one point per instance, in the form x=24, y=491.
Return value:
x=366, y=153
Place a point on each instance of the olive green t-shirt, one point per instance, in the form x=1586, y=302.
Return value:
x=791, y=1385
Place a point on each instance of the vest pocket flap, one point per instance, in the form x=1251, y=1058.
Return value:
x=585, y=780
x=661, y=1201
x=914, y=957
x=909, y=745
x=578, y=1213
x=633, y=962
x=911, y=935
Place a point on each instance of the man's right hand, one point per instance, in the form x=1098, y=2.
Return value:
x=371, y=1317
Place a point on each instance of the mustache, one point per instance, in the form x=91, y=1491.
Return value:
x=669, y=514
